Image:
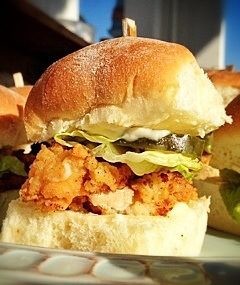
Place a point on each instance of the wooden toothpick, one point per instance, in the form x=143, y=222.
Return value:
x=18, y=79
x=129, y=27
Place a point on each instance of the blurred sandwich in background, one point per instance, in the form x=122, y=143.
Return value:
x=14, y=162
x=227, y=82
x=221, y=180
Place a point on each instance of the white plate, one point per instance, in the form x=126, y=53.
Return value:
x=219, y=244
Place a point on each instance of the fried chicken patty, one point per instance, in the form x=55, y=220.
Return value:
x=61, y=179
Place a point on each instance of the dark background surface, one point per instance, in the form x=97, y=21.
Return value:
x=31, y=41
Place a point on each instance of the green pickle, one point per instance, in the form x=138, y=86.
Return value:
x=208, y=143
x=186, y=144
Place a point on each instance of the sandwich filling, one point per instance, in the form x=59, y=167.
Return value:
x=93, y=173
x=61, y=179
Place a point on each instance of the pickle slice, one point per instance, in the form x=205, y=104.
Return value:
x=186, y=144
x=208, y=143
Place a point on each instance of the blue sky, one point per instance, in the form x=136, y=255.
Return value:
x=99, y=13
x=232, y=18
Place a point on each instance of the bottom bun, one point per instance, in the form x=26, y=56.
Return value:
x=180, y=233
x=219, y=217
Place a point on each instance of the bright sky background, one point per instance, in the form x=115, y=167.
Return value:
x=99, y=13
x=232, y=18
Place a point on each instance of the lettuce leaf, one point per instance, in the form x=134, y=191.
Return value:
x=70, y=139
x=140, y=163
x=9, y=163
x=230, y=193
x=147, y=161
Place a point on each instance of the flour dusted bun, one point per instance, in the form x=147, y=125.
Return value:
x=122, y=83
x=151, y=235
x=227, y=82
x=226, y=149
x=12, y=132
x=218, y=218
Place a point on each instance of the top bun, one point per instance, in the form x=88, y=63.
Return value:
x=12, y=132
x=122, y=83
x=227, y=82
x=23, y=90
x=226, y=149
x=225, y=77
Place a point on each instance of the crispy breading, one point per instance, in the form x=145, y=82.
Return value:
x=160, y=191
x=62, y=178
x=57, y=176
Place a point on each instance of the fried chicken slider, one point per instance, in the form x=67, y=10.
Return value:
x=124, y=122
x=13, y=163
x=224, y=188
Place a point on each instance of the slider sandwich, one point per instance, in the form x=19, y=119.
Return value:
x=124, y=123
x=13, y=162
x=224, y=188
x=12, y=136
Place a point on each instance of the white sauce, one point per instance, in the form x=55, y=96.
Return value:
x=134, y=134
x=67, y=170
x=65, y=173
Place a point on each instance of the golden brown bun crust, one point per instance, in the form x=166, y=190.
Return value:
x=127, y=81
x=24, y=90
x=12, y=131
x=229, y=129
x=69, y=87
x=226, y=150
x=227, y=83
x=218, y=218
x=225, y=78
